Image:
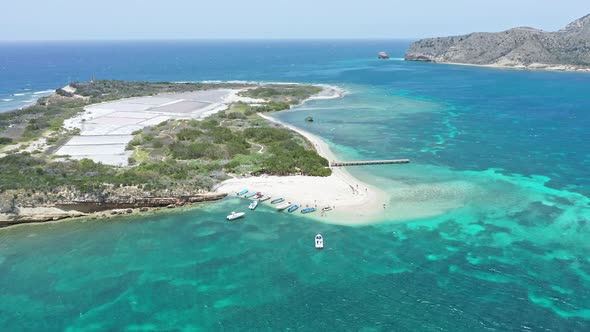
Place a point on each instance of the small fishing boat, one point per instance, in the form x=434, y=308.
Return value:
x=264, y=198
x=258, y=195
x=326, y=209
x=242, y=192
x=293, y=207
x=283, y=206
x=250, y=195
x=253, y=205
x=308, y=210
x=277, y=200
x=235, y=215
x=319, y=241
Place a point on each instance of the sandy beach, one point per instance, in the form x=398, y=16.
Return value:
x=353, y=201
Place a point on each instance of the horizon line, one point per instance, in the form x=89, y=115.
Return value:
x=211, y=39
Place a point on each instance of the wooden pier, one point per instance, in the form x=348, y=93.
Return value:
x=368, y=162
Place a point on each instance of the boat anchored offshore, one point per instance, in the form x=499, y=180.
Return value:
x=253, y=205
x=319, y=241
x=235, y=215
x=283, y=206
x=277, y=200
x=308, y=210
x=242, y=192
x=293, y=207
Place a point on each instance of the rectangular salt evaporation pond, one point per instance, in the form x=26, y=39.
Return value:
x=92, y=129
x=182, y=107
x=129, y=115
x=120, y=106
x=209, y=96
x=99, y=140
x=109, y=159
x=116, y=121
x=153, y=101
x=153, y=121
x=92, y=150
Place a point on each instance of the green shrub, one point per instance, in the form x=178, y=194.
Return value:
x=5, y=140
x=188, y=134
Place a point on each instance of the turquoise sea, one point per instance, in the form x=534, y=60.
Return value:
x=488, y=229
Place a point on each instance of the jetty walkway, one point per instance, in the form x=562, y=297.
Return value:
x=368, y=162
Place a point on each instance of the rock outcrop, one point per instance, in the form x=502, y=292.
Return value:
x=566, y=49
x=21, y=208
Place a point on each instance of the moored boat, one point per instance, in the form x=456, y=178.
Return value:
x=293, y=207
x=264, y=198
x=253, y=205
x=283, y=206
x=250, y=195
x=258, y=195
x=277, y=200
x=235, y=215
x=239, y=193
x=308, y=210
x=319, y=241
x=326, y=209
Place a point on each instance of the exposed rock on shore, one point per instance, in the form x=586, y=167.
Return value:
x=525, y=48
x=82, y=206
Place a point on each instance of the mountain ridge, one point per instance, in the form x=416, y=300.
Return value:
x=520, y=47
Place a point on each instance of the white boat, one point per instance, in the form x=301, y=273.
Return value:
x=283, y=206
x=253, y=205
x=319, y=241
x=235, y=215
x=264, y=198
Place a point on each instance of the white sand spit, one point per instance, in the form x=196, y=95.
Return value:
x=354, y=202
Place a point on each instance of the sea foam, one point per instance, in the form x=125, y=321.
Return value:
x=42, y=92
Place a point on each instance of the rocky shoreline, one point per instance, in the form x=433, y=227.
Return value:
x=100, y=209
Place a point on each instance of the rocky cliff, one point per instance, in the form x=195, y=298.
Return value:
x=566, y=49
x=20, y=207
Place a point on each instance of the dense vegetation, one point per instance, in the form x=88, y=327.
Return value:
x=34, y=173
x=48, y=114
x=5, y=141
x=232, y=142
x=293, y=93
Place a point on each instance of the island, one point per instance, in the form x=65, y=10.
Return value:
x=105, y=148
x=521, y=48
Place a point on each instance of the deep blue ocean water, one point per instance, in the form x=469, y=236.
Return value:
x=488, y=226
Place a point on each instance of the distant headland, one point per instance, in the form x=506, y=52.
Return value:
x=521, y=48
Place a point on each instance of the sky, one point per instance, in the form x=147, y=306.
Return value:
x=275, y=19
